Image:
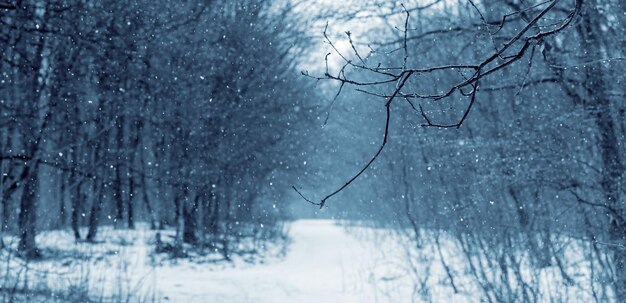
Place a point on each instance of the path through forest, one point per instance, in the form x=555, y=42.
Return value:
x=323, y=264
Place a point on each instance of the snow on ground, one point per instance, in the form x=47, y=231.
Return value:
x=325, y=262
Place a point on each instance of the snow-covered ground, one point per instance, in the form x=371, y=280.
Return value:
x=325, y=262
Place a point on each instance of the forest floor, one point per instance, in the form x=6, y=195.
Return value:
x=323, y=263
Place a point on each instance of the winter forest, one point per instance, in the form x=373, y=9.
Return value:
x=313, y=151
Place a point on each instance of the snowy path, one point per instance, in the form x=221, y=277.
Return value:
x=323, y=264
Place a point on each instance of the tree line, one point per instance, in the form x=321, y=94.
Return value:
x=176, y=114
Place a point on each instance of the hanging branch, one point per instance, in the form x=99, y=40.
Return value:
x=400, y=75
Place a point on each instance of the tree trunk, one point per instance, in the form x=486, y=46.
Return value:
x=15, y=179
x=210, y=216
x=76, y=196
x=146, y=201
x=180, y=224
x=117, y=183
x=117, y=195
x=130, y=200
x=6, y=206
x=94, y=216
x=76, y=207
x=598, y=106
x=62, y=216
x=144, y=180
x=190, y=213
x=27, y=218
x=136, y=128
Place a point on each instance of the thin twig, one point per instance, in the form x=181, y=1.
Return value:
x=380, y=148
x=303, y=197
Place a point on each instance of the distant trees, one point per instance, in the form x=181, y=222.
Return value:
x=177, y=114
x=534, y=90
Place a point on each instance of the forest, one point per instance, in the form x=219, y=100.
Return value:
x=313, y=151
